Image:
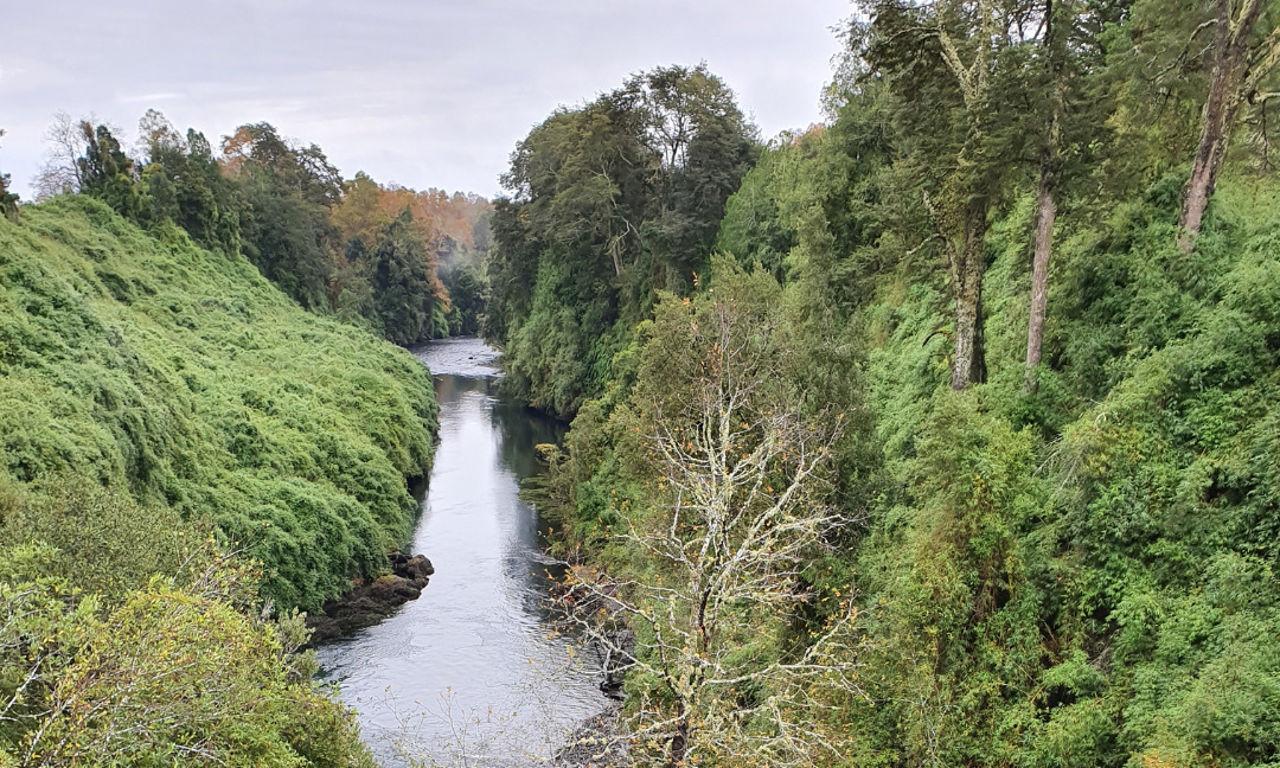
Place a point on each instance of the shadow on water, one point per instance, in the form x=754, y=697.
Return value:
x=472, y=672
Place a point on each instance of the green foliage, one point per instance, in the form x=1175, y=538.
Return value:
x=465, y=284
x=173, y=672
x=1057, y=602
x=109, y=175
x=706, y=486
x=353, y=248
x=186, y=186
x=1081, y=576
x=206, y=392
x=108, y=544
x=8, y=200
x=610, y=202
x=285, y=235
x=401, y=284
x=386, y=276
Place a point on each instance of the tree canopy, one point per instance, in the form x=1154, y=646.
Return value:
x=609, y=202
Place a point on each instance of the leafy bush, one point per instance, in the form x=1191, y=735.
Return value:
x=178, y=672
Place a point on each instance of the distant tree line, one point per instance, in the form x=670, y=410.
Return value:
x=371, y=254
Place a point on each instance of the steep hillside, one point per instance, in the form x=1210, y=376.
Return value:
x=183, y=377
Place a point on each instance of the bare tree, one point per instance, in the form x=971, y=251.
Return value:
x=719, y=670
x=157, y=135
x=60, y=173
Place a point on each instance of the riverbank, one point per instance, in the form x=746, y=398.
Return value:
x=597, y=743
x=371, y=601
x=474, y=669
x=183, y=449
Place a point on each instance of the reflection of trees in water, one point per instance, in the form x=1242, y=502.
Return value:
x=516, y=430
x=519, y=430
x=520, y=705
x=451, y=388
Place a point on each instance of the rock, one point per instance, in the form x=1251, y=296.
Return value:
x=417, y=569
x=393, y=591
x=370, y=602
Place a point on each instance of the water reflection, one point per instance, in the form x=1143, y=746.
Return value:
x=471, y=666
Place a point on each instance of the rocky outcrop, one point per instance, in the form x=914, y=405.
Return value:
x=370, y=602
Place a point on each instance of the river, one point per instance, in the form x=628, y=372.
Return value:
x=472, y=673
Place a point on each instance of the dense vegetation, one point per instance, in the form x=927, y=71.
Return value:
x=185, y=453
x=8, y=200
x=179, y=376
x=189, y=456
x=610, y=201
x=1029, y=264
x=369, y=254
x=105, y=663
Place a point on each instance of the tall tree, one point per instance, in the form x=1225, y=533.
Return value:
x=107, y=173
x=401, y=283
x=1240, y=62
x=609, y=202
x=287, y=192
x=700, y=147
x=738, y=479
x=1046, y=202
x=945, y=63
x=387, y=270
x=186, y=184
x=1070, y=121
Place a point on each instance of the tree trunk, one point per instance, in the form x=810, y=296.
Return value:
x=1046, y=207
x=968, y=365
x=1230, y=65
x=1046, y=212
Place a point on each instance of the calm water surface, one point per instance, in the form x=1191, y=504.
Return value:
x=472, y=673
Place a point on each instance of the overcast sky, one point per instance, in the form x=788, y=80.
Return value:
x=431, y=93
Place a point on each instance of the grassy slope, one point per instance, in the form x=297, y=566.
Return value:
x=185, y=377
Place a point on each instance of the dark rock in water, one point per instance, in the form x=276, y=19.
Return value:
x=368, y=603
x=417, y=568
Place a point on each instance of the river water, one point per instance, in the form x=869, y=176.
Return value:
x=473, y=672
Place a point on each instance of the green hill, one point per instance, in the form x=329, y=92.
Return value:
x=181, y=376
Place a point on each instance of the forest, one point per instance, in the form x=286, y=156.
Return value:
x=204, y=436
x=943, y=432
x=387, y=258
